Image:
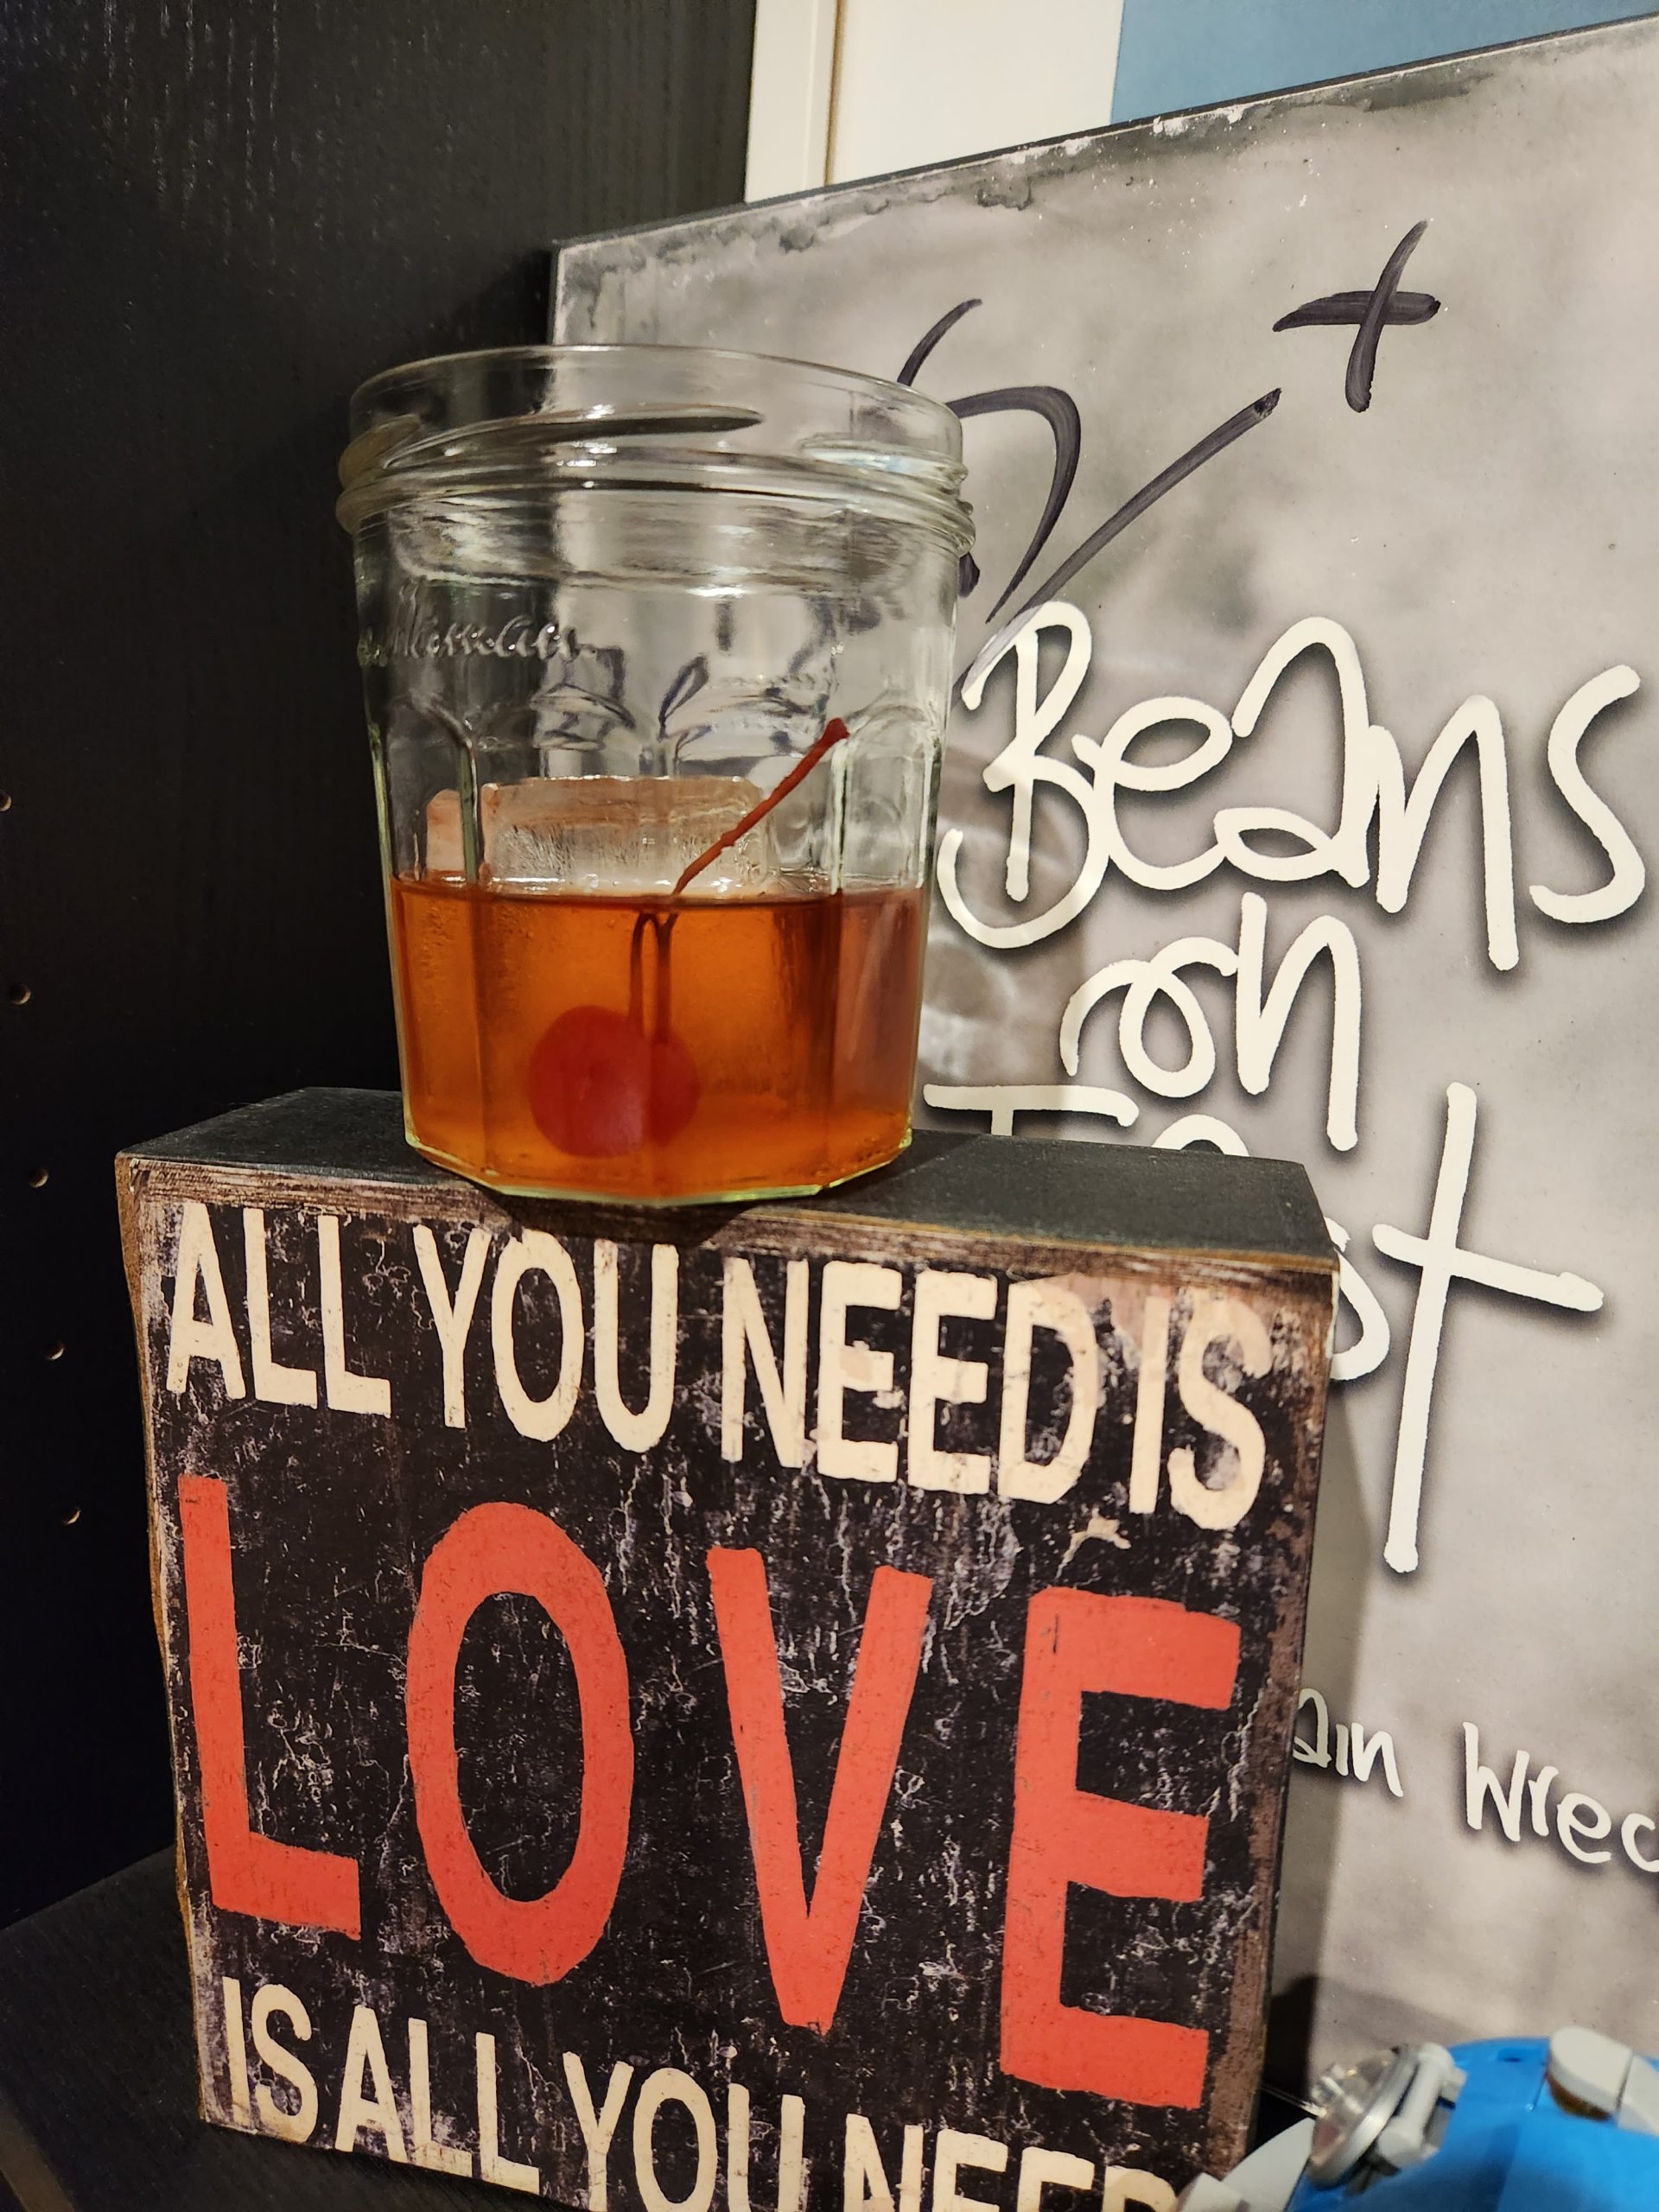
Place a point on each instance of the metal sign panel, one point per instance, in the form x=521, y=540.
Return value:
x=1310, y=812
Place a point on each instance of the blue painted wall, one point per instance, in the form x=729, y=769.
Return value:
x=1176, y=53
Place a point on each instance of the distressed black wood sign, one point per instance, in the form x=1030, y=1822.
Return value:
x=787, y=1707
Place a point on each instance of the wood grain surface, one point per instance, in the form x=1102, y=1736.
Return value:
x=219, y=216
x=311, y=1522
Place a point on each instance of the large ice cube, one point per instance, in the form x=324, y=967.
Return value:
x=608, y=833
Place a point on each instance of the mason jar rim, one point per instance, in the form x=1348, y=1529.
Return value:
x=511, y=423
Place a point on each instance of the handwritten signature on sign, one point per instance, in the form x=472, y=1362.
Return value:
x=1370, y=311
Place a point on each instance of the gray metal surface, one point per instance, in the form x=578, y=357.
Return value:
x=1482, y=528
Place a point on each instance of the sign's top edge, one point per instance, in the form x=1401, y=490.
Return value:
x=1045, y=1191
x=331, y=1131
x=1410, y=77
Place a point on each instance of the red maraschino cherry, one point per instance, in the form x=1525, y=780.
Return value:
x=600, y=1086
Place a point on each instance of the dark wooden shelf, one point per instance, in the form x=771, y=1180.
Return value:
x=98, y=2088
x=98, y=2079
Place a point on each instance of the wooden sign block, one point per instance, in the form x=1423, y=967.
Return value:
x=784, y=1706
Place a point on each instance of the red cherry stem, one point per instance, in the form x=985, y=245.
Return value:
x=833, y=732
x=662, y=925
x=662, y=928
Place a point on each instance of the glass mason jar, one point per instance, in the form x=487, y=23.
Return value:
x=656, y=644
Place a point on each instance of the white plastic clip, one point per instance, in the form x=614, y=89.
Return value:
x=1406, y=2140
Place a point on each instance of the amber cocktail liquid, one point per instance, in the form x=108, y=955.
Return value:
x=651, y=1047
x=657, y=653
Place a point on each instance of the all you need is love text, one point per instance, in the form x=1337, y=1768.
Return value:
x=796, y=1380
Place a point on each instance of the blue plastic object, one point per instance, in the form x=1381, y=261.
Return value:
x=1509, y=2146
